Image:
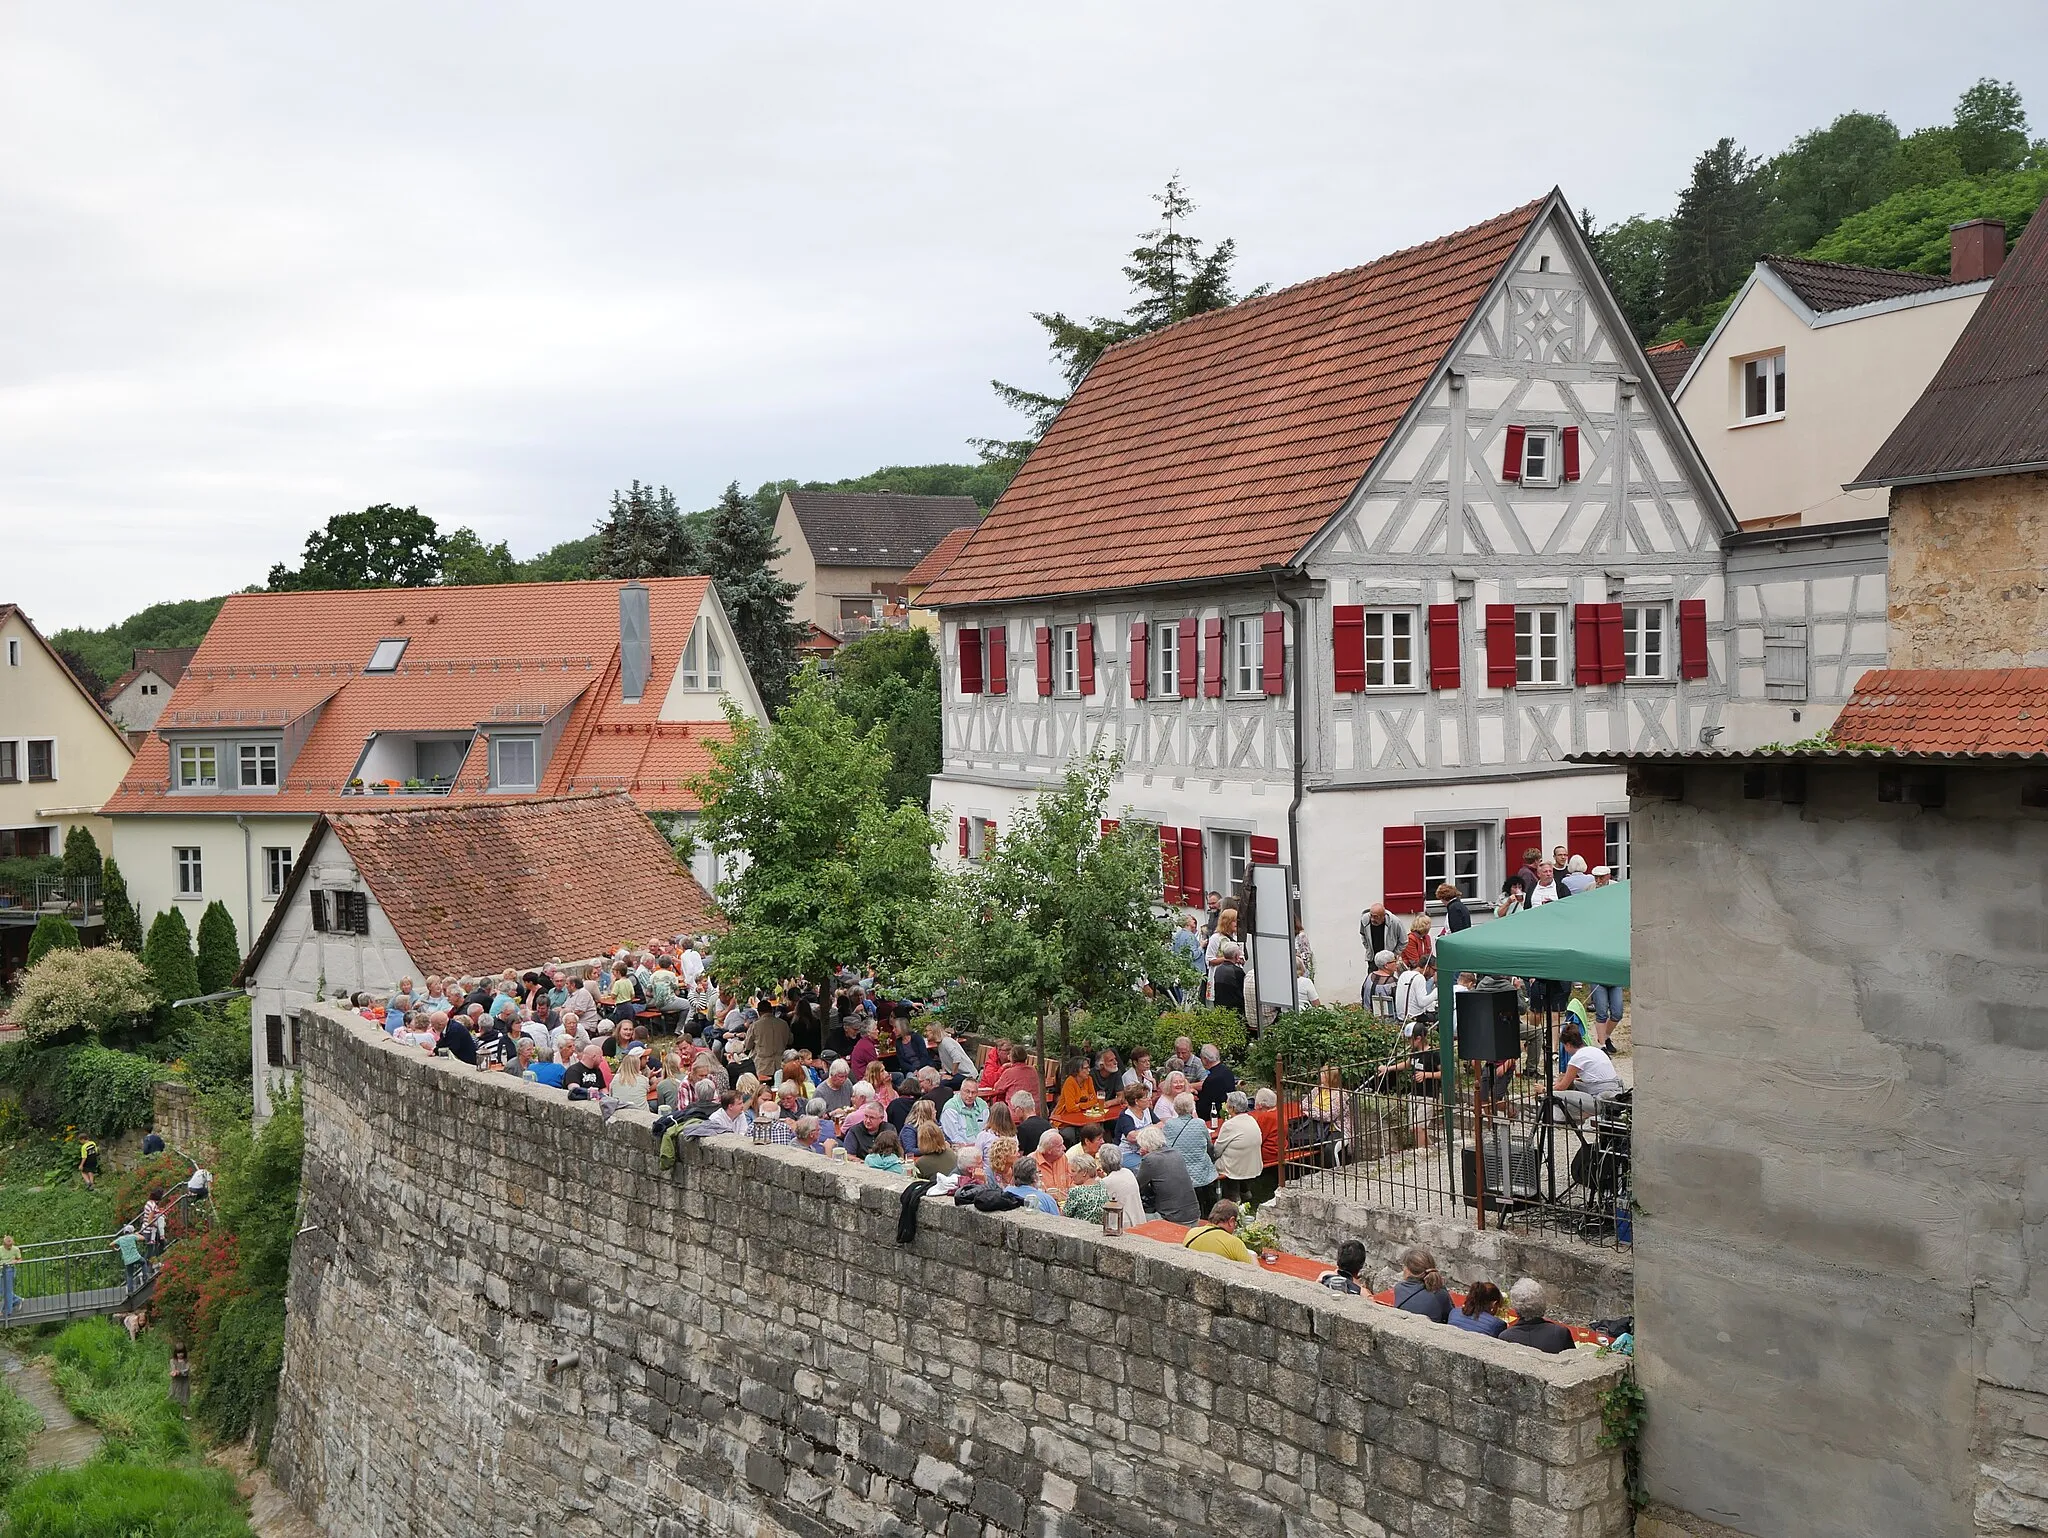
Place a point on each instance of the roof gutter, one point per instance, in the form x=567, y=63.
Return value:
x=2028, y=468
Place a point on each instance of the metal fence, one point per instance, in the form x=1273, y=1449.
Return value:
x=61, y=1279
x=1425, y=1133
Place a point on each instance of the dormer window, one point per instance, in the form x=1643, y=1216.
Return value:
x=515, y=763
x=259, y=766
x=198, y=766
x=385, y=658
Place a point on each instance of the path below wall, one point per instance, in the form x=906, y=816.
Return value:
x=65, y=1441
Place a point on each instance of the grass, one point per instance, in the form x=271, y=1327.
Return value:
x=19, y=1424
x=123, y=1388
x=112, y=1500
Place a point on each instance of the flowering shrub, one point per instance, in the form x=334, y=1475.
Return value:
x=164, y=1172
x=198, y=1280
x=90, y=992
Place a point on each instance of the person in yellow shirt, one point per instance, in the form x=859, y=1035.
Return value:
x=1218, y=1236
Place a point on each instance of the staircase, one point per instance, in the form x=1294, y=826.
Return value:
x=64, y=1279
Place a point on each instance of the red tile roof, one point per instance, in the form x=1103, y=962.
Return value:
x=475, y=656
x=1948, y=710
x=927, y=571
x=1669, y=362
x=1226, y=442
x=512, y=883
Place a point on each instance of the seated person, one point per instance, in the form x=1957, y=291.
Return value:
x=1350, y=1261
x=1421, y=1289
x=1480, y=1312
x=1165, y=1189
x=1218, y=1235
x=1589, y=1079
x=1529, y=1300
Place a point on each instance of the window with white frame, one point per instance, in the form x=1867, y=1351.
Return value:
x=1763, y=387
x=1247, y=644
x=1066, y=661
x=1539, y=457
x=1390, y=648
x=1451, y=856
x=1617, y=847
x=259, y=766
x=198, y=766
x=1539, y=646
x=10, y=763
x=277, y=869
x=13, y=652
x=1166, y=664
x=1231, y=858
x=703, y=666
x=191, y=882
x=1643, y=630
x=42, y=758
x=515, y=763
x=981, y=836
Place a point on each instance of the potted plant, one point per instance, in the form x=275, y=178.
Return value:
x=412, y=786
x=352, y=788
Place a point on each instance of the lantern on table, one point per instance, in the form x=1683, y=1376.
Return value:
x=1112, y=1218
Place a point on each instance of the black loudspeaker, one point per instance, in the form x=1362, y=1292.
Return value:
x=1489, y=1025
x=1518, y=1159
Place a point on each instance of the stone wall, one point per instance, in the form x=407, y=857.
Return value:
x=505, y=1318
x=1586, y=1281
x=175, y=1115
x=1968, y=586
x=1841, y=1214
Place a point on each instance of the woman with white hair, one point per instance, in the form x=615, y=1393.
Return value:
x=1164, y=1189
x=1120, y=1180
x=1188, y=1137
x=1240, y=1147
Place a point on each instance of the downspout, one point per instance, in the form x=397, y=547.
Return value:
x=248, y=883
x=1300, y=769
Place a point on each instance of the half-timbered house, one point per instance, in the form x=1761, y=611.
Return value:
x=1347, y=572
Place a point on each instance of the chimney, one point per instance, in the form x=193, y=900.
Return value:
x=1976, y=250
x=636, y=654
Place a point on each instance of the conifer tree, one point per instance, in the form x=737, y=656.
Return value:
x=1717, y=232
x=173, y=969
x=645, y=535
x=738, y=549
x=123, y=925
x=81, y=854
x=220, y=953
x=53, y=932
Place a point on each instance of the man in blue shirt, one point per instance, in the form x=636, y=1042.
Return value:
x=1187, y=941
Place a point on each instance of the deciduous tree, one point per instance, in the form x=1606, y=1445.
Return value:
x=889, y=679
x=466, y=561
x=1825, y=176
x=381, y=546
x=73, y=993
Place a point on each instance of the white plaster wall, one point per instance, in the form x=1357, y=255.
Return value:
x=143, y=845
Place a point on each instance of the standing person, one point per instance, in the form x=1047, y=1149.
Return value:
x=1381, y=932
x=1226, y=977
x=89, y=1162
x=1304, y=953
x=1546, y=889
x=1187, y=943
x=1457, y=917
x=130, y=1248
x=1606, y=1001
x=10, y=1257
x=1240, y=1148
x=1526, y=874
x=181, y=1377
x=1218, y=1080
x=1215, y=914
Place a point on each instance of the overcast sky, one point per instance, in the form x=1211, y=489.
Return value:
x=261, y=264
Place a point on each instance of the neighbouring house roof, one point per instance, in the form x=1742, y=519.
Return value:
x=1825, y=286
x=475, y=889
x=522, y=653
x=928, y=570
x=10, y=610
x=1948, y=710
x=1985, y=412
x=818, y=642
x=1669, y=363
x=167, y=662
x=878, y=528
x=1227, y=441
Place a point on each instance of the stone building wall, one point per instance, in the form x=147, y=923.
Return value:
x=175, y=1114
x=505, y=1318
x=1969, y=573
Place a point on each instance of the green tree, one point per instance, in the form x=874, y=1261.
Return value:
x=1829, y=174
x=1631, y=257
x=738, y=549
x=122, y=924
x=220, y=953
x=1060, y=915
x=173, y=969
x=381, y=546
x=53, y=932
x=466, y=561
x=645, y=535
x=832, y=872
x=110, y=652
x=889, y=679
x=81, y=854
x=1990, y=130
x=573, y=560
x=88, y=676
x=73, y=993
x=1717, y=233
x=1909, y=230
x=1171, y=278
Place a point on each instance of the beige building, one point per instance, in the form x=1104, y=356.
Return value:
x=850, y=553
x=1814, y=363
x=138, y=696
x=61, y=756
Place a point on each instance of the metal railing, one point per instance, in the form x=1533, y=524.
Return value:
x=75, y=897
x=59, y=1279
x=1406, y=1134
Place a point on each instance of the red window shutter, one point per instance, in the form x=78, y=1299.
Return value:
x=1190, y=659
x=1169, y=865
x=1445, y=644
x=1613, y=666
x=1500, y=646
x=988, y=834
x=1043, y=643
x=999, y=661
x=970, y=659
x=1347, y=647
x=1401, y=869
x=1141, y=660
x=1511, y=457
x=1571, y=453
x=1084, y=647
x=963, y=838
x=1273, y=653
x=1109, y=826
x=1265, y=851
x=1521, y=834
x=1587, y=838
x=1212, y=657
x=1692, y=638
x=1586, y=643
x=1191, y=889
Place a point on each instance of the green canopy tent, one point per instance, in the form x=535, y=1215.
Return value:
x=1582, y=939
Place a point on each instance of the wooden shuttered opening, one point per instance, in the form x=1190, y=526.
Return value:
x=1586, y=837
x=1347, y=648
x=968, y=647
x=1570, y=438
x=1785, y=671
x=1520, y=835
x=1692, y=638
x=1169, y=866
x=1500, y=646
x=1613, y=664
x=1596, y=644
x=963, y=838
x=1265, y=851
x=999, y=661
x=1511, y=455
x=1212, y=657
x=1141, y=660
x=1190, y=658
x=1273, y=653
x=1445, y=645
x=1191, y=888
x=1041, y=641
x=316, y=901
x=1401, y=869
x=1084, y=650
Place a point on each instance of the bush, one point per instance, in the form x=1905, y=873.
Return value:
x=20, y=873
x=112, y=1500
x=214, y=1047
x=73, y=993
x=172, y=966
x=197, y=1282
x=238, y=1375
x=130, y=1188
x=1909, y=230
x=19, y=1425
x=53, y=932
x=107, y=1093
x=123, y=1388
x=1306, y=1039
x=1225, y=1029
x=220, y=953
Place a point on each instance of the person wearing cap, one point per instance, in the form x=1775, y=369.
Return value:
x=1529, y=1299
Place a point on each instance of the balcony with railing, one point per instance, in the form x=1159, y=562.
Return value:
x=24, y=898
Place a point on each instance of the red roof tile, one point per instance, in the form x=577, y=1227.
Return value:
x=474, y=889
x=1669, y=361
x=927, y=571
x=1225, y=442
x=474, y=656
x=1948, y=710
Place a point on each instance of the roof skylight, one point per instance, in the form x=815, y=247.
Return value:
x=385, y=658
